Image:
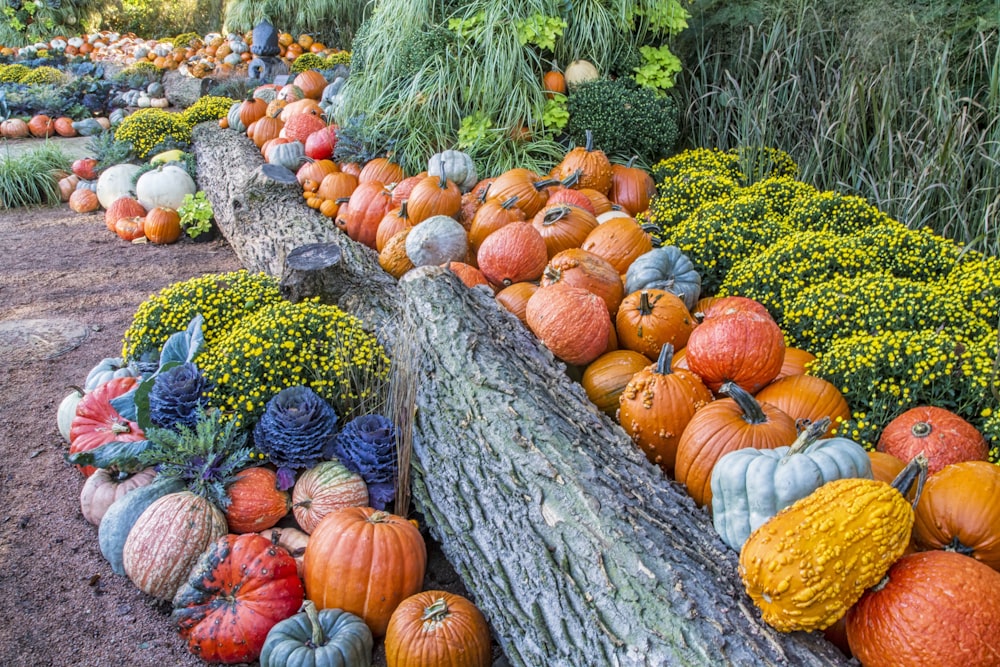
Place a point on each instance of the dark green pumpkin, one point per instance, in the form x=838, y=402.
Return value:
x=329, y=638
x=665, y=268
x=122, y=515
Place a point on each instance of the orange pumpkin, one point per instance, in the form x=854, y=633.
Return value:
x=512, y=254
x=744, y=347
x=940, y=434
x=64, y=126
x=631, y=187
x=795, y=362
x=41, y=126
x=393, y=258
x=359, y=218
x=468, y=274
x=402, y=190
x=129, y=229
x=515, y=297
x=590, y=166
x=553, y=83
x=808, y=398
x=84, y=201
x=563, y=226
x=337, y=185
x=311, y=82
x=163, y=225
x=433, y=195
x=123, y=207
x=382, y=170
x=256, y=503
x=524, y=184
x=490, y=216
x=437, y=628
x=365, y=562
x=582, y=269
x=316, y=170
x=649, y=318
x=572, y=322
x=620, y=241
x=391, y=224
x=605, y=378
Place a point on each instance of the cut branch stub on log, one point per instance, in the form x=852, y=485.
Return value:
x=576, y=548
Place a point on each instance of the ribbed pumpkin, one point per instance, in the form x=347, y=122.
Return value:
x=117, y=522
x=794, y=362
x=563, y=226
x=744, y=347
x=564, y=195
x=84, y=200
x=631, y=187
x=434, y=195
x=14, y=128
x=959, y=510
x=63, y=126
x=437, y=628
x=582, y=269
x=512, y=254
x=808, y=564
x=605, y=378
x=515, y=297
x=393, y=258
x=656, y=406
x=359, y=218
x=97, y=422
x=526, y=185
x=255, y=502
x=329, y=638
x=619, y=241
x=337, y=185
x=265, y=128
x=311, y=83
x=727, y=305
x=593, y=167
x=402, y=190
x=599, y=201
x=665, y=268
x=651, y=317
x=933, y=609
x=941, y=435
x=41, y=126
x=393, y=222
x=491, y=216
x=315, y=170
x=365, y=562
x=250, y=110
x=724, y=426
x=123, y=207
x=885, y=467
x=437, y=240
x=382, y=170
x=572, y=322
x=167, y=539
x=104, y=487
x=162, y=225
x=324, y=488
x=807, y=398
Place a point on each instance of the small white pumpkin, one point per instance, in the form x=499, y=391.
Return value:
x=115, y=182
x=67, y=410
x=159, y=102
x=580, y=71
x=143, y=101
x=437, y=240
x=165, y=187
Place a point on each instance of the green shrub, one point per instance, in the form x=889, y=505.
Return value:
x=45, y=75
x=151, y=131
x=625, y=119
x=222, y=299
x=30, y=179
x=208, y=107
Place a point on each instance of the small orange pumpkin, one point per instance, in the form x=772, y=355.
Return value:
x=163, y=225
x=437, y=628
x=256, y=502
x=515, y=297
x=606, y=377
x=84, y=201
x=649, y=318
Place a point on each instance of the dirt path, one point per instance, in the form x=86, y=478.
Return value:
x=68, y=289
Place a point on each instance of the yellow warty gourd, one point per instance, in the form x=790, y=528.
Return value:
x=809, y=563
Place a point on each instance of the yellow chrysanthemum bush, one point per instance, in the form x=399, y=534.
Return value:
x=43, y=75
x=209, y=107
x=13, y=73
x=151, y=131
x=222, y=299
x=286, y=344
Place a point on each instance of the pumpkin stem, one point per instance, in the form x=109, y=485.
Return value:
x=509, y=203
x=402, y=210
x=590, y=141
x=545, y=183
x=436, y=612
x=915, y=471
x=665, y=359
x=572, y=179
x=752, y=412
x=554, y=215
x=443, y=182
x=921, y=429
x=631, y=161
x=807, y=437
x=485, y=192
x=956, y=546
x=645, y=307
x=312, y=617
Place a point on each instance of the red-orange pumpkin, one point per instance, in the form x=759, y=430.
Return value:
x=631, y=187
x=96, y=422
x=359, y=218
x=255, y=501
x=563, y=226
x=63, y=126
x=932, y=608
x=524, y=184
x=365, y=562
x=130, y=229
x=564, y=195
x=316, y=170
x=795, y=362
x=724, y=426
x=512, y=254
x=580, y=268
x=605, y=378
x=123, y=207
x=553, y=82
x=940, y=434
x=468, y=274
x=402, y=190
x=14, y=128
x=572, y=322
x=657, y=405
x=649, y=318
x=620, y=241
x=41, y=126
x=392, y=223
x=382, y=170
x=808, y=398
x=959, y=510
x=437, y=628
x=299, y=126
x=293, y=540
x=84, y=201
x=743, y=347
x=491, y=216
x=727, y=305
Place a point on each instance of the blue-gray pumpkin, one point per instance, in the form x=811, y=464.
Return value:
x=328, y=638
x=665, y=268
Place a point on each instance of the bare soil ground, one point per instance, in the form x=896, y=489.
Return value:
x=68, y=289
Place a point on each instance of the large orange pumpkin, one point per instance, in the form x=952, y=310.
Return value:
x=809, y=398
x=940, y=434
x=381, y=169
x=84, y=201
x=572, y=322
x=591, y=167
x=959, y=510
x=123, y=207
x=437, y=628
x=743, y=347
x=657, y=405
x=524, y=184
x=359, y=218
x=794, y=362
x=365, y=562
x=512, y=254
x=490, y=216
x=651, y=317
x=563, y=226
x=631, y=187
x=933, y=609
x=433, y=195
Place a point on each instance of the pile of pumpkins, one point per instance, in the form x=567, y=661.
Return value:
x=136, y=209
x=309, y=575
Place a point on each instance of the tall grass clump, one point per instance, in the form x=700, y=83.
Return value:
x=332, y=22
x=898, y=103
x=31, y=178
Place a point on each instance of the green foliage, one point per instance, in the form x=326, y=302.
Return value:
x=44, y=75
x=137, y=75
x=163, y=20
x=625, y=119
x=108, y=151
x=187, y=40
x=24, y=22
x=30, y=179
x=221, y=299
x=13, y=73
x=555, y=116
x=152, y=131
x=208, y=107
x=659, y=69
x=196, y=214
x=332, y=23
x=540, y=31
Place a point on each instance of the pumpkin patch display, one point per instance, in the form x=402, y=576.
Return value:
x=941, y=435
x=437, y=628
x=807, y=565
x=239, y=589
x=932, y=608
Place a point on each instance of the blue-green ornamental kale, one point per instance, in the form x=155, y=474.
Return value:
x=177, y=395
x=367, y=446
x=295, y=431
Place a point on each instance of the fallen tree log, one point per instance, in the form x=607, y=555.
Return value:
x=577, y=549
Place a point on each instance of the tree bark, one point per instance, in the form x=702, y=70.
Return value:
x=577, y=549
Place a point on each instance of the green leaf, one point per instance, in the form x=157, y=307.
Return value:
x=125, y=456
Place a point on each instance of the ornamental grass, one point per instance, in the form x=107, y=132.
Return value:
x=31, y=178
x=897, y=317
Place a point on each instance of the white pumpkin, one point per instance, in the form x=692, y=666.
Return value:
x=159, y=102
x=142, y=101
x=165, y=187
x=580, y=71
x=75, y=42
x=67, y=410
x=115, y=182
x=437, y=240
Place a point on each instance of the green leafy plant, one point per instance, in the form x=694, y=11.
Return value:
x=541, y=31
x=659, y=69
x=196, y=214
x=108, y=151
x=556, y=114
x=473, y=129
x=30, y=179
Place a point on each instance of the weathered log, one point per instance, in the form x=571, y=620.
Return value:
x=578, y=550
x=265, y=218
x=181, y=90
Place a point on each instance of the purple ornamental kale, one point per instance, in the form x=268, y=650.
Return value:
x=177, y=395
x=295, y=429
x=367, y=446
